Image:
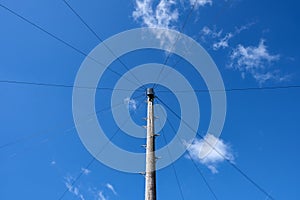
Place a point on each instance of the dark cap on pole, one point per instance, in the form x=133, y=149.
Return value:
x=150, y=93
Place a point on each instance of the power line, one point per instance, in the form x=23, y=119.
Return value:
x=196, y=166
x=236, y=89
x=42, y=29
x=101, y=40
x=162, y=91
x=78, y=177
x=176, y=40
x=35, y=135
x=203, y=177
x=173, y=166
x=215, y=19
x=81, y=52
x=81, y=19
x=94, y=158
x=61, y=40
x=217, y=151
x=60, y=85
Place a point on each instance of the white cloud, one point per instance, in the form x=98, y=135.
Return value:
x=131, y=103
x=85, y=171
x=109, y=186
x=213, y=33
x=210, y=151
x=253, y=57
x=74, y=190
x=218, y=39
x=82, y=191
x=274, y=75
x=223, y=42
x=101, y=196
x=256, y=61
x=253, y=60
x=198, y=3
x=163, y=14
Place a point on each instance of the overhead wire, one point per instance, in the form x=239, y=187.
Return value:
x=62, y=85
x=203, y=177
x=173, y=45
x=61, y=40
x=196, y=166
x=235, y=89
x=172, y=164
x=81, y=52
x=94, y=157
x=228, y=3
x=261, y=189
x=101, y=40
x=77, y=178
x=158, y=91
x=35, y=135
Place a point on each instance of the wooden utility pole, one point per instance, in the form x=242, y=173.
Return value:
x=150, y=190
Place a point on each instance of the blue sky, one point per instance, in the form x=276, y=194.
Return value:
x=254, y=44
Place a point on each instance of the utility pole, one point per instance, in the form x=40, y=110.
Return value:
x=150, y=190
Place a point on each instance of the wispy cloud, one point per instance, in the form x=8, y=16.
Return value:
x=111, y=188
x=131, y=103
x=198, y=3
x=208, y=32
x=256, y=61
x=87, y=191
x=223, y=42
x=163, y=14
x=85, y=171
x=210, y=151
x=74, y=190
x=219, y=39
x=101, y=196
x=53, y=162
x=160, y=16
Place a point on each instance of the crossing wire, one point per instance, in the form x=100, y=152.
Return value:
x=228, y=3
x=94, y=158
x=101, y=40
x=159, y=91
x=196, y=166
x=221, y=154
x=81, y=52
x=203, y=177
x=170, y=156
x=35, y=135
x=61, y=40
x=173, y=45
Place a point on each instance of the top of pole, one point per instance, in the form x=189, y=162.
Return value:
x=150, y=93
